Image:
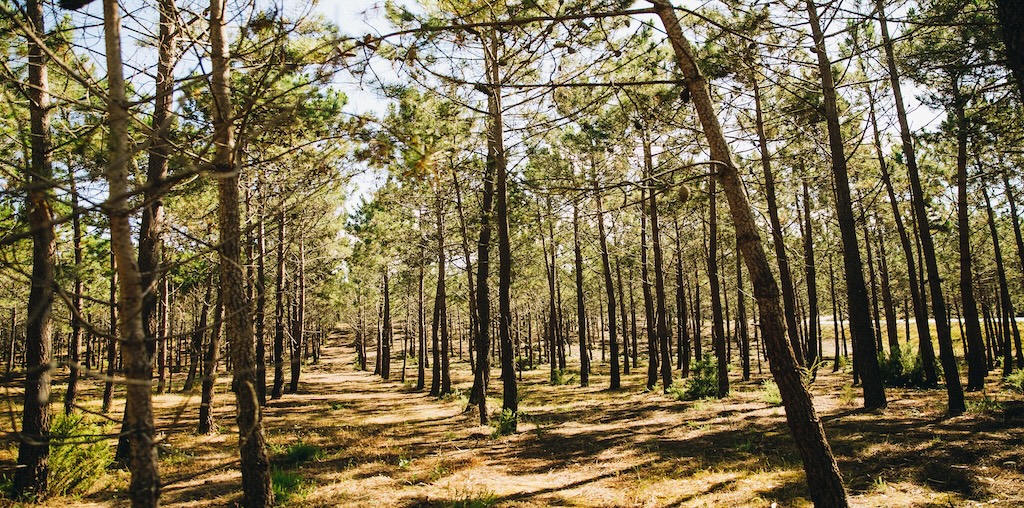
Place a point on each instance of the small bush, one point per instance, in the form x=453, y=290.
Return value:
x=504, y=424
x=702, y=383
x=564, y=377
x=79, y=455
x=524, y=364
x=286, y=485
x=770, y=393
x=299, y=453
x=905, y=371
x=984, y=405
x=1015, y=381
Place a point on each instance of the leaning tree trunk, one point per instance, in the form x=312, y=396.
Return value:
x=823, y=477
x=144, y=487
x=856, y=289
x=256, y=491
x=954, y=390
x=33, y=448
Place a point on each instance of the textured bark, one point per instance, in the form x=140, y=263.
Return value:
x=954, y=390
x=255, y=466
x=138, y=428
x=112, y=339
x=581, y=313
x=33, y=448
x=683, y=335
x=823, y=477
x=856, y=291
x=196, y=344
x=441, y=384
x=471, y=289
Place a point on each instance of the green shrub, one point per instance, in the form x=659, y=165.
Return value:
x=299, y=453
x=1015, y=381
x=80, y=454
x=505, y=423
x=286, y=485
x=564, y=377
x=905, y=371
x=524, y=364
x=770, y=393
x=702, y=383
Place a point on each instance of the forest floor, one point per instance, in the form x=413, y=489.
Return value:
x=348, y=438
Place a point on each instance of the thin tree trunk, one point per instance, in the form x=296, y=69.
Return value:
x=856, y=290
x=975, y=346
x=261, y=306
x=279, y=311
x=664, y=334
x=112, y=339
x=785, y=274
x=811, y=276
x=196, y=344
x=71, y=395
x=609, y=287
x=954, y=390
x=1020, y=249
x=298, y=325
x=741, y=320
x=206, y=424
x=649, y=314
x=681, y=311
x=581, y=315
x=718, y=336
x=625, y=318
x=1004, y=291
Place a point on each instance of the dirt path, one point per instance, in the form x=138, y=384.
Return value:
x=350, y=439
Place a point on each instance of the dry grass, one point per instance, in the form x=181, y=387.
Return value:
x=351, y=439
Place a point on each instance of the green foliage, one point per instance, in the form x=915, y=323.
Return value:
x=287, y=485
x=298, y=453
x=484, y=499
x=1015, y=382
x=905, y=371
x=564, y=377
x=504, y=424
x=984, y=405
x=524, y=364
x=79, y=455
x=770, y=393
x=702, y=383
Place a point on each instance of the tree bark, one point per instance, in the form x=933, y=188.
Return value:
x=609, y=288
x=856, y=290
x=811, y=276
x=718, y=338
x=823, y=477
x=785, y=274
x=71, y=395
x=1020, y=248
x=33, y=447
x=279, y=311
x=255, y=466
x=954, y=390
x=581, y=314
x=664, y=333
x=138, y=428
x=206, y=424
x=1004, y=291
